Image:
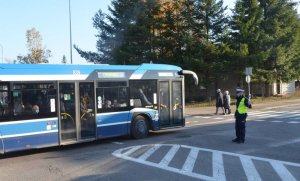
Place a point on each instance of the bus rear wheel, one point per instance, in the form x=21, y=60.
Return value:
x=139, y=128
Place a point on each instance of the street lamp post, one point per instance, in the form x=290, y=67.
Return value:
x=70, y=32
x=1, y=51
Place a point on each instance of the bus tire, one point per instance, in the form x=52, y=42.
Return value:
x=139, y=127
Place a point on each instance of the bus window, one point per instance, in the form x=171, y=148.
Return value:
x=143, y=93
x=4, y=102
x=111, y=99
x=33, y=100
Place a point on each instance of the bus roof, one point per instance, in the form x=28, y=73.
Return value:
x=35, y=72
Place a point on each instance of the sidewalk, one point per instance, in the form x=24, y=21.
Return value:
x=210, y=110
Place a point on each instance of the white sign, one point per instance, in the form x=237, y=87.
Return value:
x=248, y=70
x=52, y=105
x=248, y=79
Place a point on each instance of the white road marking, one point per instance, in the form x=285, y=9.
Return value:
x=276, y=121
x=250, y=169
x=117, y=143
x=169, y=156
x=295, y=115
x=282, y=171
x=190, y=161
x=197, y=116
x=148, y=153
x=218, y=170
x=210, y=123
x=288, y=116
x=133, y=149
x=218, y=118
x=218, y=166
x=296, y=118
x=283, y=143
x=259, y=120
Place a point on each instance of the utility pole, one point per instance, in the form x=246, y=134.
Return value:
x=70, y=32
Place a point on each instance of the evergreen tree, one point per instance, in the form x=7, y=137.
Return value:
x=281, y=27
x=210, y=29
x=125, y=35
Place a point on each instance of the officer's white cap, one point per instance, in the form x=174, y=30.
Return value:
x=239, y=90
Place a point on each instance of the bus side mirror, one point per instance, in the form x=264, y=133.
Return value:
x=189, y=72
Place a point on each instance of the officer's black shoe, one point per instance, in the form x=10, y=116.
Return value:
x=240, y=141
x=235, y=140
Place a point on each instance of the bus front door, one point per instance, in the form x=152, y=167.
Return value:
x=170, y=104
x=177, y=104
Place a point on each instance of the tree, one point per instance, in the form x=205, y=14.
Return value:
x=125, y=35
x=266, y=36
x=209, y=29
x=37, y=54
x=281, y=25
x=64, y=59
x=246, y=35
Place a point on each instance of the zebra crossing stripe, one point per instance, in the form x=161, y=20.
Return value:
x=169, y=156
x=296, y=118
x=190, y=161
x=283, y=173
x=250, y=169
x=148, y=153
x=131, y=150
x=276, y=121
x=218, y=118
x=290, y=116
x=218, y=167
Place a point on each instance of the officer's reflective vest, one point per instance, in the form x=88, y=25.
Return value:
x=242, y=109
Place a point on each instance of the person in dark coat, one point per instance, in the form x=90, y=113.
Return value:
x=227, y=101
x=219, y=101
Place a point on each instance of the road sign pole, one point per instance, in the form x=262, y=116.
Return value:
x=248, y=79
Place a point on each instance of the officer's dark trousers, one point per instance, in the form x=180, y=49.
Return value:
x=240, y=126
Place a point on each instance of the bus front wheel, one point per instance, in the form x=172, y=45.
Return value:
x=139, y=128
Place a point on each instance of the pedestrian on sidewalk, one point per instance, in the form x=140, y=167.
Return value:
x=227, y=101
x=219, y=102
x=240, y=115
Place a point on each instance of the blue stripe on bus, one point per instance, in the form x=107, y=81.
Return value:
x=31, y=141
x=112, y=124
x=113, y=130
x=26, y=127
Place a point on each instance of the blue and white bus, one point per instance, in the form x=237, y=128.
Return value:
x=44, y=105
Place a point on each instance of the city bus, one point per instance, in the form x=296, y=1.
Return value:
x=43, y=105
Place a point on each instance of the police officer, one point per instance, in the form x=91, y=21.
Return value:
x=240, y=115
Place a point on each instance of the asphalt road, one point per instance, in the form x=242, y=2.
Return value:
x=202, y=150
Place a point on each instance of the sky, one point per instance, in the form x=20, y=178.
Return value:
x=51, y=19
